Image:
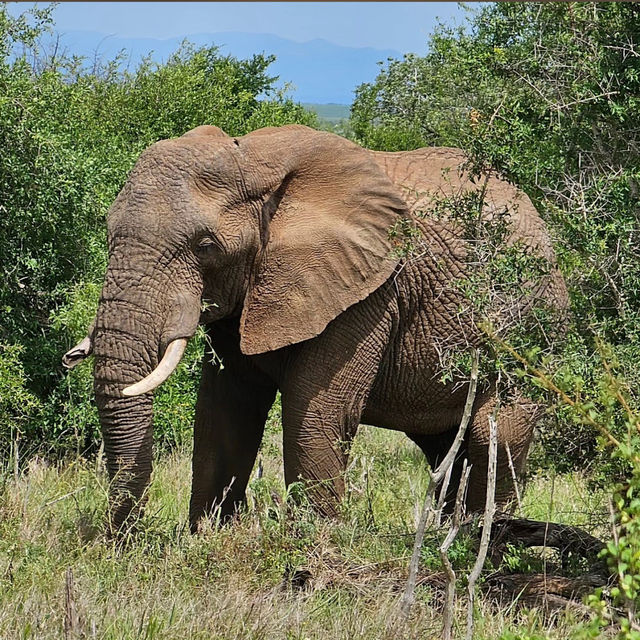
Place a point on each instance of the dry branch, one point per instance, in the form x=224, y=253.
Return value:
x=70, y=615
x=489, y=512
x=514, y=477
x=535, y=533
x=435, y=478
x=549, y=592
x=447, y=621
x=443, y=494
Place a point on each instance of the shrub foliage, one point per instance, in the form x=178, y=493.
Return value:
x=70, y=132
x=549, y=95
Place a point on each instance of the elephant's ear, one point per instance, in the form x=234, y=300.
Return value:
x=326, y=241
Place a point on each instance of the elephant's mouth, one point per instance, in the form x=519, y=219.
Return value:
x=172, y=356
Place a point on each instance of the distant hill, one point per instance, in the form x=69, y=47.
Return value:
x=332, y=113
x=318, y=71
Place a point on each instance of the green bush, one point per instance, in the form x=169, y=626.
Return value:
x=69, y=136
x=613, y=412
x=17, y=403
x=547, y=94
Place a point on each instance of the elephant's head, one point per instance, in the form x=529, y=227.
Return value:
x=285, y=227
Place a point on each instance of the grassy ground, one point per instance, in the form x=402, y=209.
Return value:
x=240, y=581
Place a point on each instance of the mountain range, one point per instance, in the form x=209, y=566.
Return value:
x=317, y=71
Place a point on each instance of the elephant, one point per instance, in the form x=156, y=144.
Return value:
x=283, y=243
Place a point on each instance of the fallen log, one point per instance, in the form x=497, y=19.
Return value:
x=550, y=592
x=534, y=533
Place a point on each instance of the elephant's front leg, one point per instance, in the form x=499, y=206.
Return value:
x=316, y=450
x=231, y=411
x=323, y=399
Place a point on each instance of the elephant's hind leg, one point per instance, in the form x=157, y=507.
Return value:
x=435, y=448
x=516, y=422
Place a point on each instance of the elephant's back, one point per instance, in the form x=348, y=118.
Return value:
x=427, y=170
x=445, y=200
x=436, y=318
x=436, y=184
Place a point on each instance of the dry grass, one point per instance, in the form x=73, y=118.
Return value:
x=277, y=572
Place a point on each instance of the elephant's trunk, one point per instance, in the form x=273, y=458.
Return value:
x=129, y=336
x=125, y=348
x=128, y=438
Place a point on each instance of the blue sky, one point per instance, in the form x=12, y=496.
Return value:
x=403, y=26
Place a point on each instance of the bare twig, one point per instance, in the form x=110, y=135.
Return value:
x=546, y=527
x=497, y=110
x=489, y=511
x=443, y=494
x=514, y=477
x=620, y=298
x=435, y=478
x=447, y=622
x=66, y=495
x=605, y=94
x=70, y=616
x=16, y=455
x=449, y=459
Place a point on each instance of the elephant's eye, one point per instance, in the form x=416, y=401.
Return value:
x=206, y=247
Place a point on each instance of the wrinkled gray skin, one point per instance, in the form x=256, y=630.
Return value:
x=284, y=233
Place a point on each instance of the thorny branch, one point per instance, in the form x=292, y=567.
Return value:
x=428, y=515
x=552, y=386
x=489, y=512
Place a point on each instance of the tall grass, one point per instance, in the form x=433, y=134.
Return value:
x=278, y=571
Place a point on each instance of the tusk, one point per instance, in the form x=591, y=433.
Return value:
x=169, y=362
x=77, y=354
